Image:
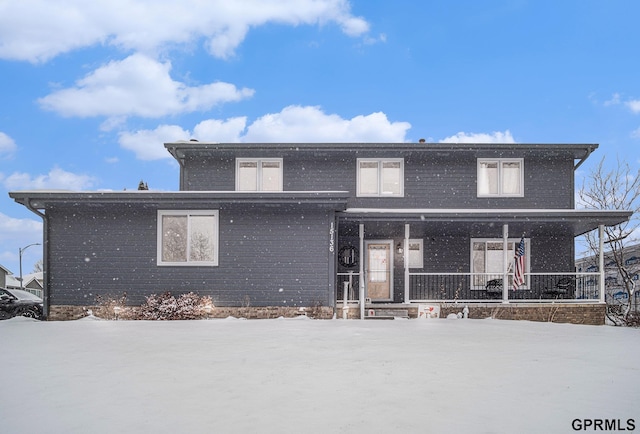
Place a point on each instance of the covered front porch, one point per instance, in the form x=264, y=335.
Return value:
x=407, y=258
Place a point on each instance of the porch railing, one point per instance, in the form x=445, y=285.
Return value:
x=353, y=281
x=489, y=287
x=486, y=287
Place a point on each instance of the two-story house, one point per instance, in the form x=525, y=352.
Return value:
x=284, y=226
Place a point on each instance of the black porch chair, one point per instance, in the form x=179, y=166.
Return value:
x=494, y=287
x=563, y=287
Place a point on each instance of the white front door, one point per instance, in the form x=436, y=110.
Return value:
x=379, y=269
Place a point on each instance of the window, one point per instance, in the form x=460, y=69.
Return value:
x=500, y=177
x=416, y=255
x=262, y=174
x=632, y=260
x=487, y=259
x=188, y=238
x=380, y=177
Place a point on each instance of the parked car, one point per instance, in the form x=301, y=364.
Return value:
x=16, y=302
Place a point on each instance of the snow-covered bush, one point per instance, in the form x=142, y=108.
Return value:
x=167, y=307
x=157, y=307
x=111, y=307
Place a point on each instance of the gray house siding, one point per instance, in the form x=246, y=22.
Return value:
x=267, y=257
x=430, y=180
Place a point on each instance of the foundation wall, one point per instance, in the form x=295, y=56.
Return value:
x=590, y=314
x=66, y=313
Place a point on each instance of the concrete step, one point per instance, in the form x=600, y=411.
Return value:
x=386, y=313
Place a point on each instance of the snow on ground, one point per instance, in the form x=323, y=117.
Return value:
x=314, y=376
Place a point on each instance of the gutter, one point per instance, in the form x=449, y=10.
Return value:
x=588, y=152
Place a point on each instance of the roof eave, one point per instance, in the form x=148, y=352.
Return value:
x=38, y=200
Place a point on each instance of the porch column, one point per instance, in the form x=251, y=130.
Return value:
x=601, y=261
x=406, y=263
x=505, y=263
x=361, y=279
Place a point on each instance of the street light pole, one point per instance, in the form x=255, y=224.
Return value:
x=20, y=250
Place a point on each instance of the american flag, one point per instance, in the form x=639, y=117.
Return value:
x=518, y=274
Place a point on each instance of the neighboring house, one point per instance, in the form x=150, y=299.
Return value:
x=615, y=292
x=4, y=273
x=276, y=227
x=33, y=282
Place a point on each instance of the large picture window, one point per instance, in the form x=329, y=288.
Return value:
x=262, y=174
x=487, y=259
x=380, y=177
x=502, y=177
x=188, y=238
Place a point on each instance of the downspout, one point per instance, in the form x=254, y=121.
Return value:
x=180, y=161
x=45, y=258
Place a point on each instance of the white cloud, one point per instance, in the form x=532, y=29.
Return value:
x=615, y=100
x=353, y=26
x=15, y=229
x=137, y=86
x=38, y=30
x=292, y=124
x=149, y=144
x=311, y=124
x=635, y=134
x=634, y=105
x=213, y=130
x=494, y=137
x=56, y=179
x=7, y=146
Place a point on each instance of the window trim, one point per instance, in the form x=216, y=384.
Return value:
x=500, y=162
x=259, y=162
x=188, y=213
x=380, y=161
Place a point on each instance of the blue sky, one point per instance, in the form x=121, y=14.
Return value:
x=90, y=91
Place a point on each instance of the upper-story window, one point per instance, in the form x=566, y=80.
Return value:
x=259, y=174
x=500, y=177
x=380, y=177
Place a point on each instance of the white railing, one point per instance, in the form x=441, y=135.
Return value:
x=487, y=287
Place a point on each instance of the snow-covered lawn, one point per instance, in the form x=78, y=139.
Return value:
x=314, y=376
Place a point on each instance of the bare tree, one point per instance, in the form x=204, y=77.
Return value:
x=615, y=189
x=38, y=266
x=201, y=249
